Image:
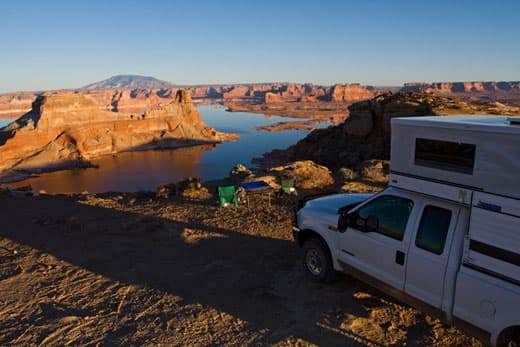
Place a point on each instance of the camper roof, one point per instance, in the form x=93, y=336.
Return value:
x=488, y=123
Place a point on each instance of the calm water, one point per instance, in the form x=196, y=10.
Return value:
x=133, y=171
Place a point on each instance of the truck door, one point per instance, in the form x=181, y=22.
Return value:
x=373, y=241
x=429, y=252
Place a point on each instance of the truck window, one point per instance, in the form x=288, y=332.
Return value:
x=445, y=155
x=433, y=229
x=392, y=213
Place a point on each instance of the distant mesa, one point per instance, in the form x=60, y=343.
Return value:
x=130, y=82
x=462, y=87
x=351, y=92
x=133, y=93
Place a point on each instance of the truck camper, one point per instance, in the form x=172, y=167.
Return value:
x=444, y=236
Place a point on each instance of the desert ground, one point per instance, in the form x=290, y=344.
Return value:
x=134, y=269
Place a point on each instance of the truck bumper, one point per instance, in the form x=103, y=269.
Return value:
x=296, y=232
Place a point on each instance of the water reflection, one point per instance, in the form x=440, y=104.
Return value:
x=128, y=171
x=4, y=122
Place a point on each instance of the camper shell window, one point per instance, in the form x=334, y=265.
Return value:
x=445, y=155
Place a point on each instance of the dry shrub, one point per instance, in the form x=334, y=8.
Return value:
x=166, y=190
x=374, y=170
x=192, y=188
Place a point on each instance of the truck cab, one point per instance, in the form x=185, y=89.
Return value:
x=375, y=240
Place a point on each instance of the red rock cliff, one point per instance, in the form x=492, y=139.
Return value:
x=65, y=130
x=461, y=87
x=350, y=92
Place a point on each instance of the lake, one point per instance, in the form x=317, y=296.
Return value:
x=134, y=171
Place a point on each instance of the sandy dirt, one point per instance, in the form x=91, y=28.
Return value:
x=126, y=269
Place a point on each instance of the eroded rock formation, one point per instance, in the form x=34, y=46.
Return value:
x=351, y=92
x=461, y=87
x=366, y=133
x=66, y=130
x=15, y=104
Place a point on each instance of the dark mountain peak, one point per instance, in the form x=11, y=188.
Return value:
x=129, y=81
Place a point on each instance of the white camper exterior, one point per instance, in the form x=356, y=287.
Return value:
x=445, y=236
x=478, y=152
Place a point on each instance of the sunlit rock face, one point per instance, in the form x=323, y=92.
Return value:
x=461, y=87
x=65, y=130
x=351, y=92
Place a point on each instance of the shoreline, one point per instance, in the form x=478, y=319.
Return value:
x=15, y=176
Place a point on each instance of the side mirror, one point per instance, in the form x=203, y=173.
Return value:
x=372, y=223
x=343, y=222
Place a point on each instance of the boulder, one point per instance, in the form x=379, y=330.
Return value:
x=240, y=170
x=306, y=174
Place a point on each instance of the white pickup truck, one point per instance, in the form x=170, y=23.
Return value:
x=444, y=236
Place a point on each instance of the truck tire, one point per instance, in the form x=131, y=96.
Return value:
x=510, y=337
x=317, y=262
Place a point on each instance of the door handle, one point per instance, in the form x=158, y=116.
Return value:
x=399, y=257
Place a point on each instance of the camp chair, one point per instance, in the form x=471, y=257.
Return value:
x=288, y=186
x=226, y=195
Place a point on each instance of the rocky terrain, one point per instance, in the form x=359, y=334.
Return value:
x=366, y=133
x=504, y=92
x=146, y=268
x=66, y=130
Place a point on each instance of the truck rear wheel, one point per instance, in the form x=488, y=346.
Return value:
x=317, y=262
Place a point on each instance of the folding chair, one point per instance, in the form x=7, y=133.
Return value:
x=288, y=186
x=226, y=195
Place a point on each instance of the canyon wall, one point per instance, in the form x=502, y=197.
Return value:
x=14, y=105
x=461, y=87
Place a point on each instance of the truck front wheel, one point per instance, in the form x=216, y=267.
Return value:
x=317, y=262
x=510, y=337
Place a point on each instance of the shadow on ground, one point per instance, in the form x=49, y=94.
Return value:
x=153, y=275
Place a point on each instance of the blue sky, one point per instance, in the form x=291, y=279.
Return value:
x=66, y=44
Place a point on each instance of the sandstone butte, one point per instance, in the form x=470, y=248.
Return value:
x=66, y=130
